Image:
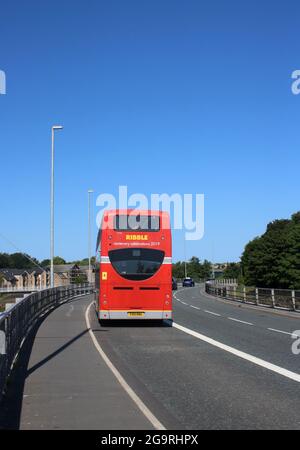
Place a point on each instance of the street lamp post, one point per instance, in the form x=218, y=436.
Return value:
x=184, y=243
x=90, y=191
x=55, y=127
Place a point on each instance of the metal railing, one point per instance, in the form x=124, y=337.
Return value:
x=225, y=281
x=8, y=290
x=16, y=323
x=272, y=298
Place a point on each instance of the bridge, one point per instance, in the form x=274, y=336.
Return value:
x=222, y=364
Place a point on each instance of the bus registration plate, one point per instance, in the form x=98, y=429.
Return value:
x=135, y=314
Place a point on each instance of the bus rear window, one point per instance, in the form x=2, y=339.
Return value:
x=136, y=222
x=136, y=263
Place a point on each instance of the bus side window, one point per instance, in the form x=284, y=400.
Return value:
x=98, y=257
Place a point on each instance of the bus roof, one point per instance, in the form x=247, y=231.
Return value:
x=143, y=212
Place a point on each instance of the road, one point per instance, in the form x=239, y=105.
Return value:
x=199, y=381
x=183, y=379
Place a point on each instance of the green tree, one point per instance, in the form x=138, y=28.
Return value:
x=178, y=270
x=45, y=262
x=273, y=259
x=58, y=260
x=195, y=269
x=84, y=261
x=233, y=270
x=22, y=261
x=206, y=269
x=4, y=260
x=79, y=278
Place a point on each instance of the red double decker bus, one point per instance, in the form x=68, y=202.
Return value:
x=134, y=266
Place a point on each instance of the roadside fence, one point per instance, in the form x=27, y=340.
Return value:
x=16, y=323
x=272, y=298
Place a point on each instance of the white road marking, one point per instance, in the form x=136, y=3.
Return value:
x=71, y=309
x=195, y=307
x=241, y=321
x=260, y=362
x=140, y=404
x=280, y=331
x=211, y=312
x=183, y=303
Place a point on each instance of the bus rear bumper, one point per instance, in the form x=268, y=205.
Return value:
x=133, y=314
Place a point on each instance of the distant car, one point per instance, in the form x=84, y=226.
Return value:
x=188, y=282
x=174, y=284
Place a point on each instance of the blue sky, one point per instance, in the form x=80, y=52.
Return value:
x=162, y=96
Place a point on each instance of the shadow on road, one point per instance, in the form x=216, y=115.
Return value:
x=59, y=350
x=133, y=323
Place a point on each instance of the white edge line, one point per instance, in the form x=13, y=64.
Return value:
x=260, y=362
x=195, y=307
x=139, y=403
x=280, y=331
x=241, y=321
x=210, y=312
